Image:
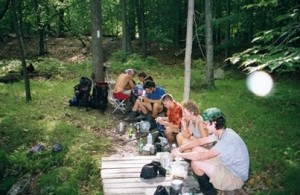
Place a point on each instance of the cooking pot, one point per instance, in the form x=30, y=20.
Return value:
x=144, y=126
x=121, y=128
x=179, y=169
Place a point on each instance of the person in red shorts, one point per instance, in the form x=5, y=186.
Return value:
x=124, y=85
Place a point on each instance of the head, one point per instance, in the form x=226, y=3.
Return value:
x=167, y=100
x=148, y=78
x=142, y=76
x=189, y=109
x=214, y=116
x=130, y=72
x=149, y=86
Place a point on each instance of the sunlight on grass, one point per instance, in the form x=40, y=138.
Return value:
x=268, y=125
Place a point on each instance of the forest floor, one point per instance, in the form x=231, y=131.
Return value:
x=73, y=50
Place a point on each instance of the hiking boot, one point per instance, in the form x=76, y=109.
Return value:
x=131, y=116
x=140, y=117
x=205, y=186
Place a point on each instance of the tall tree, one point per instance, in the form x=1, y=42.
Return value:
x=97, y=50
x=125, y=29
x=41, y=28
x=209, y=45
x=21, y=47
x=140, y=4
x=188, y=50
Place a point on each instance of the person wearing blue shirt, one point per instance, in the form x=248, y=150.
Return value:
x=149, y=105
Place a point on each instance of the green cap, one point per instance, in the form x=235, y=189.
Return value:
x=211, y=114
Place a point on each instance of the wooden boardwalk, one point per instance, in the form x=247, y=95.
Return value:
x=121, y=175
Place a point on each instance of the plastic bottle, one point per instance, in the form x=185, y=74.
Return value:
x=173, y=147
x=140, y=145
x=149, y=139
x=130, y=131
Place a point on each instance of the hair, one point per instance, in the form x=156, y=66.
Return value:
x=220, y=122
x=167, y=97
x=148, y=78
x=191, y=106
x=129, y=71
x=149, y=84
x=142, y=74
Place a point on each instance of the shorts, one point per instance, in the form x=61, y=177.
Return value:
x=222, y=178
x=121, y=96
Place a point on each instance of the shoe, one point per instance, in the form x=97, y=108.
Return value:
x=140, y=117
x=205, y=186
x=131, y=116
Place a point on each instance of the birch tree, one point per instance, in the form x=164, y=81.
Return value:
x=188, y=50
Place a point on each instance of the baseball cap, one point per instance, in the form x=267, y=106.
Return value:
x=212, y=114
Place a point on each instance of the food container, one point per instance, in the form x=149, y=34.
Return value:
x=121, y=127
x=179, y=169
x=165, y=159
x=176, y=187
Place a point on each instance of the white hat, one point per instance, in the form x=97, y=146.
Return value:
x=129, y=71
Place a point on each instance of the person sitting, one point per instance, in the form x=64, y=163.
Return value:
x=192, y=124
x=151, y=102
x=124, y=85
x=171, y=122
x=143, y=77
x=225, y=166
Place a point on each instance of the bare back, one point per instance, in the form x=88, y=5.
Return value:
x=124, y=82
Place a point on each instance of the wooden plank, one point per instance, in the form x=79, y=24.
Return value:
x=121, y=175
x=116, y=158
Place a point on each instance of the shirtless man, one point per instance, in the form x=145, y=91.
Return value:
x=124, y=85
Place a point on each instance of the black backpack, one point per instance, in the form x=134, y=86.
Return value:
x=82, y=92
x=99, y=99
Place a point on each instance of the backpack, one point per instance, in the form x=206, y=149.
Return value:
x=99, y=99
x=82, y=92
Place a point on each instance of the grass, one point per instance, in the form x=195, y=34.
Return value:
x=269, y=126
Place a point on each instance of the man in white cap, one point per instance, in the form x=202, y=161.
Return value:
x=124, y=85
x=225, y=166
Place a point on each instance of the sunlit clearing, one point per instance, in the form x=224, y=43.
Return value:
x=260, y=83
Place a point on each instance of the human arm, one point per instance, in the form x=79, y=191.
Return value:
x=196, y=155
x=196, y=142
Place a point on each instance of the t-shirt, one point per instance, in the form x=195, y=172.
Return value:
x=195, y=127
x=156, y=94
x=175, y=114
x=233, y=153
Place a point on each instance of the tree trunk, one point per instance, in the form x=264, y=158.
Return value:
x=188, y=50
x=227, y=33
x=22, y=52
x=143, y=28
x=124, y=27
x=5, y=8
x=209, y=45
x=97, y=50
x=41, y=29
x=61, y=13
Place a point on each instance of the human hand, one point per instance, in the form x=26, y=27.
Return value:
x=175, y=153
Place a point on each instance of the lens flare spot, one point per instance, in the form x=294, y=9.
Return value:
x=260, y=83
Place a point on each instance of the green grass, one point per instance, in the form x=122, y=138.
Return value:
x=269, y=126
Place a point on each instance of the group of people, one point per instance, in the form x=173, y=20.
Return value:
x=218, y=156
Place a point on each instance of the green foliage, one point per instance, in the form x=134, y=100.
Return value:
x=198, y=74
x=275, y=50
x=268, y=125
x=121, y=61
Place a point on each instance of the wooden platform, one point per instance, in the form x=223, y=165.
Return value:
x=121, y=175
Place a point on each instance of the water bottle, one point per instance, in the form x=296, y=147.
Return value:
x=173, y=146
x=140, y=145
x=149, y=139
x=130, y=131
